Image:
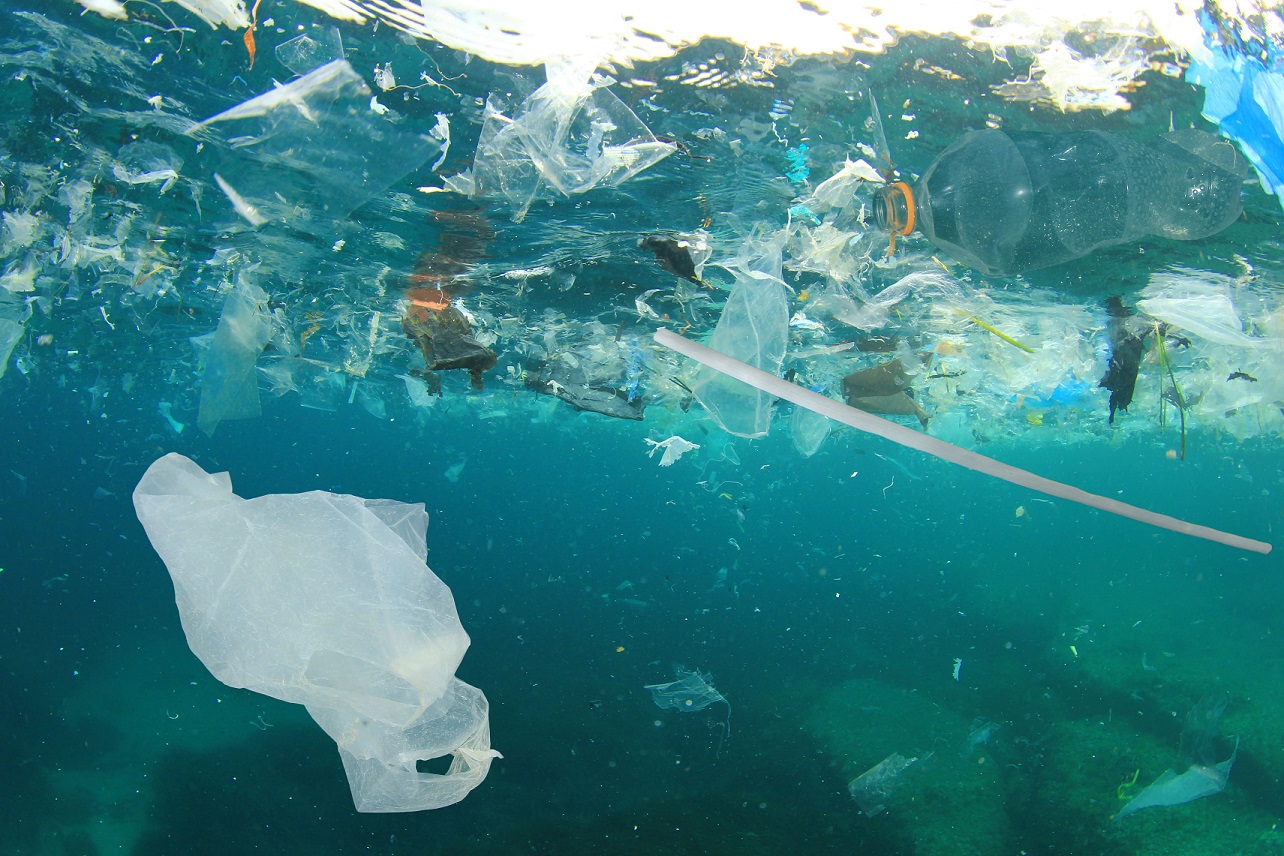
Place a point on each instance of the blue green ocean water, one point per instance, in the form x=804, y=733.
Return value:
x=1039, y=660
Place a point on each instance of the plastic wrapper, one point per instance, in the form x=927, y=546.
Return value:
x=872, y=788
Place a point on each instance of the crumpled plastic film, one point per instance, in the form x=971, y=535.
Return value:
x=753, y=328
x=313, y=150
x=569, y=135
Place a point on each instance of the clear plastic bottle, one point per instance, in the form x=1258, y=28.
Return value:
x=1004, y=203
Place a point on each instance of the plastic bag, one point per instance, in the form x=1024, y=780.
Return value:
x=753, y=328
x=571, y=134
x=1197, y=303
x=808, y=430
x=325, y=600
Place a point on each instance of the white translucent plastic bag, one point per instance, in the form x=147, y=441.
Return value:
x=1199, y=304
x=326, y=600
x=753, y=328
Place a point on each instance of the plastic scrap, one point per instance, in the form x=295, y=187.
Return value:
x=753, y=327
x=445, y=339
x=680, y=255
x=1126, y=349
x=775, y=386
x=883, y=389
x=693, y=690
x=10, y=332
x=839, y=190
x=1171, y=789
x=674, y=448
x=1197, y=303
x=572, y=384
x=310, y=50
x=146, y=163
x=872, y=788
x=326, y=600
x=107, y=8
x=312, y=150
x=807, y=430
x=570, y=135
x=229, y=13
x=923, y=286
x=229, y=384
x=1242, y=96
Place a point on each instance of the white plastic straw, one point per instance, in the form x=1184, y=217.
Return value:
x=871, y=424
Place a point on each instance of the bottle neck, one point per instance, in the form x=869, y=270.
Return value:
x=894, y=211
x=894, y=208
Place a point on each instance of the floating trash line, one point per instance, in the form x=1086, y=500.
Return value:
x=935, y=447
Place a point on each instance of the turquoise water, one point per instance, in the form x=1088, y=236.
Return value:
x=828, y=597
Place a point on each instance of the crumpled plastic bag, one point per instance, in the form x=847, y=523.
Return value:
x=753, y=328
x=1197, y=303
x=326, y=600
x=571, y=135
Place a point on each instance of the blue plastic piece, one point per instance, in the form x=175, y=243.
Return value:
x=798, y=169
x=802, y=211
x=1246, y=100
x=633, y=372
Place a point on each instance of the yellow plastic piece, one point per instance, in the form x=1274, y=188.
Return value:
x=1124, y=791
x=1004, y=336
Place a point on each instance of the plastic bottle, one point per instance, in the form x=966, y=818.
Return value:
x=1004, y=203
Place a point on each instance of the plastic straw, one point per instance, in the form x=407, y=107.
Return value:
x=871, y=424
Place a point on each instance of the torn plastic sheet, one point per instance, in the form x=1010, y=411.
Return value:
x=584, y=388
x=926, y=287
x=674, y=448
x=1171, y=789
x=10, y=332
x=569, y=135
x=1199, y=304
x=229, y=13
x=312, y=150
x=229, y=384
x=872, y=788
x=320, y=386
x=18, y=230
x=775, y=386
x=310, y=50
x=147, y=163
